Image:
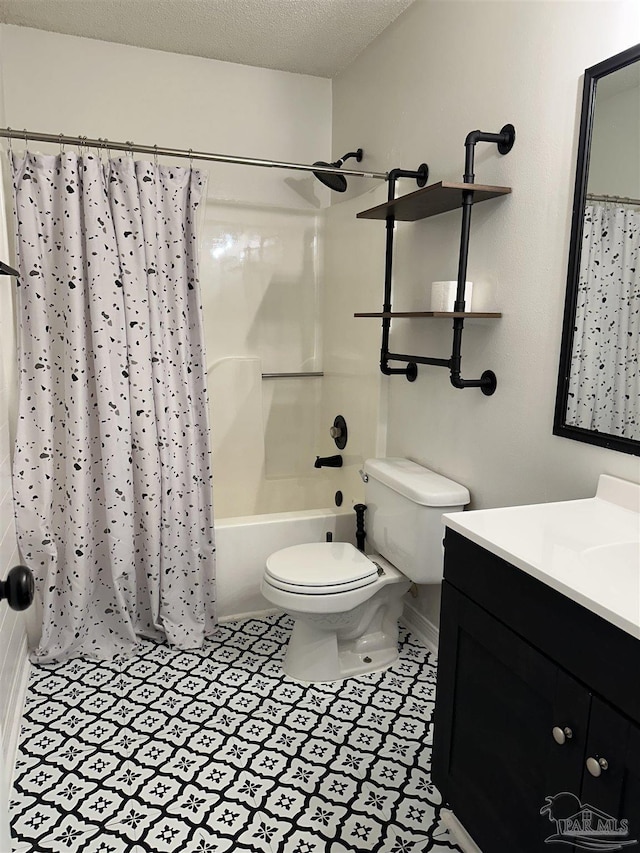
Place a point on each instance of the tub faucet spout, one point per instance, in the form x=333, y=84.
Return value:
x=328, y=461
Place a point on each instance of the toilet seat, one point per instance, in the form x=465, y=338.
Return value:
x=288, y=583
x=320, y=568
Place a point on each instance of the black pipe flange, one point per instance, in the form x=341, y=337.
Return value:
x=509, y=133
x=489, y=383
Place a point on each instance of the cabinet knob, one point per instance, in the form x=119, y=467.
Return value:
x=595, y=766
x=561, y=735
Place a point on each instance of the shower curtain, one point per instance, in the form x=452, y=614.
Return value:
x=604, y=384
x=112, y=478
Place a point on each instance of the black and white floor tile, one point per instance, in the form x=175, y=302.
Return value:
x=216, y=750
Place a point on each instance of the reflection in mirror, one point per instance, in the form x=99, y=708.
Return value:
x=599, y=384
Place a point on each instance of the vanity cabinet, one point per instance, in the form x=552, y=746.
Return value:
x=530, y=686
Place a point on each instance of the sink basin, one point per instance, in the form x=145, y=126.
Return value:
x=589, y=550
x=620, y=560
x=617, y=568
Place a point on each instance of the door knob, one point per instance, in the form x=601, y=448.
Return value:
x=595, y=766
x=561, y=735
x=18, y=588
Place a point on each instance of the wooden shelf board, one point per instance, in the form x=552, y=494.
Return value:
x=467, y=314
x=432, y=200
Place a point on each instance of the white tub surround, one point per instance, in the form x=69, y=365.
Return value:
x=588, y=550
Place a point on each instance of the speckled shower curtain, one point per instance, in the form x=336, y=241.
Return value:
x=112, y=479
x=604, y=384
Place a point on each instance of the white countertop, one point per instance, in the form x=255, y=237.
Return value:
x=589, y=550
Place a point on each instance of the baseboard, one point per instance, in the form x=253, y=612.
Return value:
x=421, y=627
x=462, y=838
x=254, y=614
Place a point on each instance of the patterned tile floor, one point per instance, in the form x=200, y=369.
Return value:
x=215, y=750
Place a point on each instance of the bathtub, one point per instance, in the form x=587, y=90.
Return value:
x=243, y=544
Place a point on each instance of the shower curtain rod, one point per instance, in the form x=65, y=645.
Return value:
x=618, y=199
x=188, y=154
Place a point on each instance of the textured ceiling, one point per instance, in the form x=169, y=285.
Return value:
x=319, y=37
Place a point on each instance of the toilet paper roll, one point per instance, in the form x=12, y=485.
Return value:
x=443, y=295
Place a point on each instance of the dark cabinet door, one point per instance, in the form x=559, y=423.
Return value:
x=613, y=754
x=495, y=758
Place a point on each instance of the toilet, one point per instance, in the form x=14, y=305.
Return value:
x=346, y=604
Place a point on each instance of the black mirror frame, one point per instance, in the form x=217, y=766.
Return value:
x=591, y=76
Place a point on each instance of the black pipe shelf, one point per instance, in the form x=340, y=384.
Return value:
x=432, y=201
x=427, y=201
x=492, y=315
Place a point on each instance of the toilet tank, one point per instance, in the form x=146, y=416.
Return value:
x=405, y=503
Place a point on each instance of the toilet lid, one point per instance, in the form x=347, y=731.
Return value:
x=320, y=567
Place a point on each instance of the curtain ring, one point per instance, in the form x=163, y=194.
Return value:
x=61, y=137
x=129, y=145
x=155, y=156
x=26, y=141
x=9, y=131
x=191, y=159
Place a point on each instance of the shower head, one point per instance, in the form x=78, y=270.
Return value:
x=338, y=183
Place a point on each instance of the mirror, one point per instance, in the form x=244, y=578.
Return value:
x=598, y=399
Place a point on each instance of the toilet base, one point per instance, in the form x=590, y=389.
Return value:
x=349, y=664
x=321, y=651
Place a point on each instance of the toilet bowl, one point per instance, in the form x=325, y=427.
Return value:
x=346, y=604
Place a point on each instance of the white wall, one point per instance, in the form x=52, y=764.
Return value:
x=441, y=70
